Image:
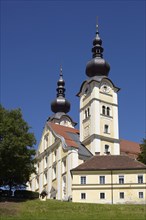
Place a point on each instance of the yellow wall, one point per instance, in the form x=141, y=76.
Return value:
x=93, y=188
x=94, y=126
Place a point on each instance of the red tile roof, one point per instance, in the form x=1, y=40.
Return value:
x=130, y=148
x=110, y=162
x=63, y=131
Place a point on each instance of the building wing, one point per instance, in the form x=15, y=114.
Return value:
x=110, y=162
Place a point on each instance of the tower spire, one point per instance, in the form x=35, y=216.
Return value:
x=60, y=104
x=97, y=66
x=97, y=24
x=61, y=74
x=61, y=84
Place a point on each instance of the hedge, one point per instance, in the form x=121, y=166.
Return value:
x=26, y=194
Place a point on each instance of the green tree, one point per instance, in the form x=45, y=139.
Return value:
x=16, y=149
x=142, y=154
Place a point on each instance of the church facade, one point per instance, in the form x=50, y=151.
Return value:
x=90, y=164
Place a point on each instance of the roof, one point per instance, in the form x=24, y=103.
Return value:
x=64, y=132
x=60, y=115
x=71, y=137
x=129, y=147
x=110, y=162
x=97, y=79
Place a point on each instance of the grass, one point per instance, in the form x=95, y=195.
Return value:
x=54, y=210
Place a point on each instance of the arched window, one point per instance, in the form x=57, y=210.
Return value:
x=103, y=110
x=108, y=111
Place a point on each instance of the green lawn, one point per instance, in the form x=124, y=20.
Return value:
x=54, y=210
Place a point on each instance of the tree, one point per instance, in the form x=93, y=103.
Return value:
x=142, y=154
x=16, y=149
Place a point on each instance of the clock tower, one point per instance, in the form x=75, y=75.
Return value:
x=99, y=129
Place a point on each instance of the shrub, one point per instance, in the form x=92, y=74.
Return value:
x=5, y=193
x=26, y=194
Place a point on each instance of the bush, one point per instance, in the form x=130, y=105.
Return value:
x=25, y=194
x=5, y=193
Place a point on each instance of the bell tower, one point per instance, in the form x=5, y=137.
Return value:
x=61, y=106
x=99, y=129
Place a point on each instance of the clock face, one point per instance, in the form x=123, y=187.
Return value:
x=105, y=87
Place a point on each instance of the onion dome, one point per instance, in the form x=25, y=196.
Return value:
x=97, y=66
x=60, y=104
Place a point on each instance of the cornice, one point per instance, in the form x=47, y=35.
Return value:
x=101, y=137
x=99, y=100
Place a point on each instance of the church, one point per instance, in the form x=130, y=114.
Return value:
x=91, y=164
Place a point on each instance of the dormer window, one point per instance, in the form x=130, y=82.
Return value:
x=87, y=89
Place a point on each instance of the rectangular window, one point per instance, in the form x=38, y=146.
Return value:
x=102, y=195
x=37, y=182
x=107, y=149
x=45, y=142
x=54, y=172
x=37, y=168
x=83, y=195
x=102, y=179
x=83, y=179
x=106, y=129
x=140, y=178
x=140, y=195
x=45, y=177
x=121, y=179
x=54, y=155
x=121, y=195
x=45, y=161
x=63, y=166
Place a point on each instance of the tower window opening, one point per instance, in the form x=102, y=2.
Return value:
x=106, y=129
x=103, y=110
x=106, y=149
x=87, y=113
x=108, y=111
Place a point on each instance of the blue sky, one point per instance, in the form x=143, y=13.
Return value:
x=39, y=36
